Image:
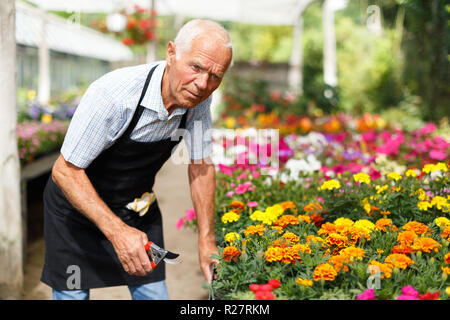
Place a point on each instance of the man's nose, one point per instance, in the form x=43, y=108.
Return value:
x=202, y=81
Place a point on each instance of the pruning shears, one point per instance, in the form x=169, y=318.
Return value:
x=158, y=254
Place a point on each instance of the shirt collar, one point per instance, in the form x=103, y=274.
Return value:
x=153, y=99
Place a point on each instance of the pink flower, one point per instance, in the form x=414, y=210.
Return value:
x=427, y=128
x=255, y=174
x=190, y=214
x=225, y=169
x=406, y=297
x=180, y=223
x=252, y=204
x=243, y=175
x=367, y=295
x=410, y=291
x=437, y=155
x=230, y=194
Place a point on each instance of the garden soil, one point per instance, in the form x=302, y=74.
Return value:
x=184, y=281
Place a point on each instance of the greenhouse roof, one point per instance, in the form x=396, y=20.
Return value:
x=65, y=36
x=263, y=12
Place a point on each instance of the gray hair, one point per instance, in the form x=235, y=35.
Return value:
x=194, y=28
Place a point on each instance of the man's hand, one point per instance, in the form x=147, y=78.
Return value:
x=129, y=245
x=206, y=248
x=128, y=242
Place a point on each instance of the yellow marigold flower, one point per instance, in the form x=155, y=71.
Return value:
x=324, y=271
x=394, y=176
x=446, y=270
x=327, y=228
x=406, y=237
x=274, y=254
x=257, y=215
x=362, y=178
x=304, y=282
x=275, y=210
x=46, y=118
x=337, y=240
x=366, y=205
x=256, y=229
x=442, y=166
x=429, y=168
x=384, y=269
x=421, y=194
x=343, y=222
x=380, y=251
x=365, y=225
x=410, y=173
x=230, y=216
x=313, y=239
x=424, y=205
x=440, y=203
x=426, y=244
x=231, y=236
x=381, y=189
x=417, y=227
x=330, y=185
x=442, y=221
x=399, y=260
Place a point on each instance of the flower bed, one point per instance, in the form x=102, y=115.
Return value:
x=356, y=210
x=335, y=238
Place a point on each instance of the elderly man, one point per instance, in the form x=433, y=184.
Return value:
x=119, y=137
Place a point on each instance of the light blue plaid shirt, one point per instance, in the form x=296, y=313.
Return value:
x=107, y=108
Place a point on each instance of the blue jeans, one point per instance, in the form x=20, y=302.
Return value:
x=149, y=291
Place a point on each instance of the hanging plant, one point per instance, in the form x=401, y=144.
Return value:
x=139, y=28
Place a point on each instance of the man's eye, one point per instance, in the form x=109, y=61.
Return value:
x=196, y=67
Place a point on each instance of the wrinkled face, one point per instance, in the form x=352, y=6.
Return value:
x=198, y=72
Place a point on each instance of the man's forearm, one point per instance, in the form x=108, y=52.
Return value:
x=202, y=183
x=78, y=189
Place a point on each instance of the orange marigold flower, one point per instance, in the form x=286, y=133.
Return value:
x=280, y=229
x=399, y=260
x=426, y=244
x=447, y=258
x=290, y=255
x=446, y=233
x=289, y=205
x=356, y=234
x=313, y=239
x=382, y=223
x=324, y=271
x=291, y=237
x=282, y=243
x=304, y=218
x=338, y=262
x=406, y=237
x=327, y=228
x=286, y=220
x=254, y=229
x=401, y=248
x=313, y=207
x=385, y=269
x=274, y=254
x=336, y=240
x=417, y=227
x=231, y=253
x=353, y=253
x=446, y=270
x=302, y=247
x=239, y=205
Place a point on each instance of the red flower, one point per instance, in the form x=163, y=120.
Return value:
x=131, y=23
x=429, y=296
x=143, y=24
x=254, y=287
x=150, y=35
x=274, y=283
x=128, y=41
x=264, y=295
x=265, y=287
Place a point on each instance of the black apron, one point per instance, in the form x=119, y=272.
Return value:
x=119, y=174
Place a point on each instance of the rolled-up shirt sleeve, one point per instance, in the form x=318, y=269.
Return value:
x=94, y=127
x=199, y=143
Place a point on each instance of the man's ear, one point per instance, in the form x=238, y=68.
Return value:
x=170, y=53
